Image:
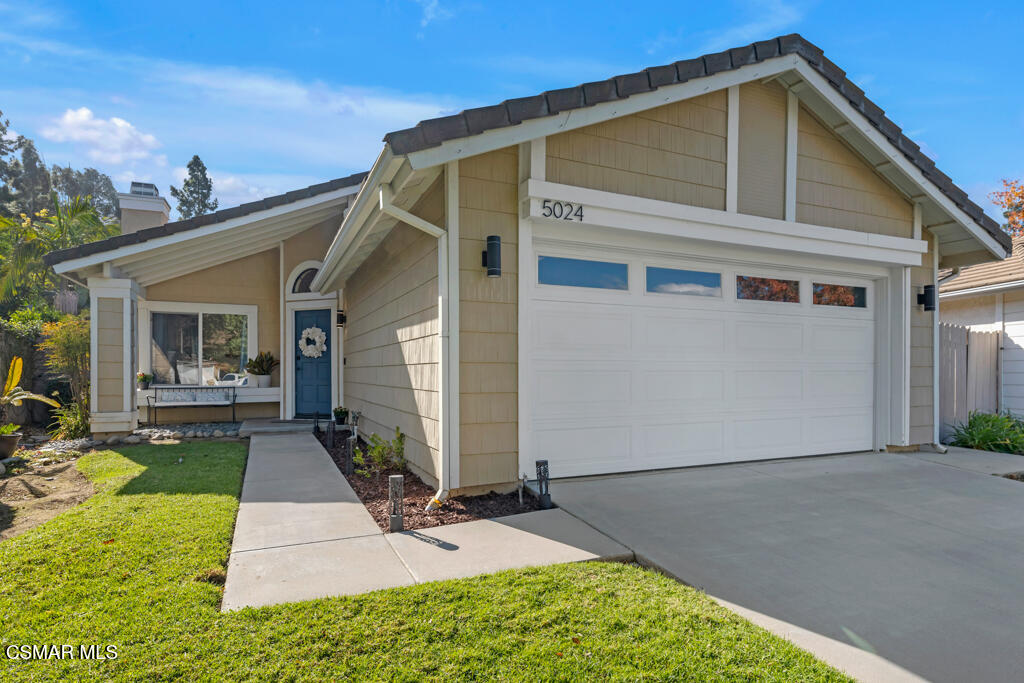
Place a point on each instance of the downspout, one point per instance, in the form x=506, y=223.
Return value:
x=443, y=332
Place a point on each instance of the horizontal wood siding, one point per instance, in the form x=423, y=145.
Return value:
x=110, y=349
x=922, y=396
x=836, y=188
x=761, y=183
x=488, y=321
x=391, y=347
x=675, y=153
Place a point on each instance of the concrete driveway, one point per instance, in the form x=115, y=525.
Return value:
x=913, y=557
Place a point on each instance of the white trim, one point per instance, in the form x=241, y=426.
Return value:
x=533, y=129
x=732, y=146
x=127, y=291
x=1001, y=318
x=289, y=283
x=138, y=202
x=983, y=289
x=524, y=298
x=917, y=221
x=608, y=209
x=280, y=318
x=288, y=382
x=792, y=152
x=892, y=154
x=404, y=216
x=936, y=348
x=212, y=229
x=94, y=358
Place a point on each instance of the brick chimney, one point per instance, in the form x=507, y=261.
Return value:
x=142, y=207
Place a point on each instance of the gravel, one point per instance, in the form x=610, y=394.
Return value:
x=203, y=430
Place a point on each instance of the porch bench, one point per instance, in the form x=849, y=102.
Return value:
x=182, y=396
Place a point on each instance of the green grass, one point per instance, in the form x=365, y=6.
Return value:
x=120, y=569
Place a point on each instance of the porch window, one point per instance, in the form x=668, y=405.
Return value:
x=198, y=348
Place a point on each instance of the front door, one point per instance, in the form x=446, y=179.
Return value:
x=313, y=363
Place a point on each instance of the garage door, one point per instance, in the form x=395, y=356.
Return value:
x=643, y=363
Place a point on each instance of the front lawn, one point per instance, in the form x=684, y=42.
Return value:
x=129, y=568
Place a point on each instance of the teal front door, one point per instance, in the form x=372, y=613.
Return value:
x=313, y=363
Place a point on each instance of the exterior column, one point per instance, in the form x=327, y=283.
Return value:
x=113, y=348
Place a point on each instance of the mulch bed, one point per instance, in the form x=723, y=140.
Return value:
x=373, y=492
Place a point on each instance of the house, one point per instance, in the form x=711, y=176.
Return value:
x=720, y=259
x=989, y=297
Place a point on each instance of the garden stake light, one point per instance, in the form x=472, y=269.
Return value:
x=543, y=484
x=396, y=483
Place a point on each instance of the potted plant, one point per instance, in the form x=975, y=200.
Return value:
x=13, y=395
x=143, y=379
x=341, y=415
x=260, y=368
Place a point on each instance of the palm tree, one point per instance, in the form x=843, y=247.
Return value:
x=27, y=239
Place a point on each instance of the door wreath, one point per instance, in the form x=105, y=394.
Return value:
x=313, y=342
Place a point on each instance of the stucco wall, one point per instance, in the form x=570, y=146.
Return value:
x=976, y=312
x=674, y=153
x=391, y=347
x=488, y=319
x=761, y=181
x=252, y=280
x=110, y=350
x=837, y=189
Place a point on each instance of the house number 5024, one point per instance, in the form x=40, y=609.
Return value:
x=567, y=211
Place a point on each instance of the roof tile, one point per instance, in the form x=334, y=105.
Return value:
x=632, y=84
x=524, y=108
x=599, y=91
x=444, y=128
x=690, y=68
x=485, y=118
x=741, y=56
x=719, y=61
x=663, y=75
x=564, y=99
x=766, y=49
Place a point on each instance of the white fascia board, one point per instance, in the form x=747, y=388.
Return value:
x=984, y=289
x=611, y=210
x=206, y=230
x=578, y=118
x=896, y=157
x=383, y=170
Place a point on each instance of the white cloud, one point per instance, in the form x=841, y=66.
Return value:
x=112, y=141
x=432, y=11
x=771, y=17
x=690, y=288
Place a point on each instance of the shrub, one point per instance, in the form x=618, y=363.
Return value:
x=71, y=421
x=67, y=354
x=380, y=455
x=999, y=432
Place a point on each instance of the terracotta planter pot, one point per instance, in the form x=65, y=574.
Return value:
x=8, y=444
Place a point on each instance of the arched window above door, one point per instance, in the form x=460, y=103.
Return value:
x=303, y=280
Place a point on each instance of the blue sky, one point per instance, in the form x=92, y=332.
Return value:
x=275, y=96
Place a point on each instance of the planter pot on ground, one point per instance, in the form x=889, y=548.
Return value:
x=143, y=385
x=262, y=381
x=8, y=444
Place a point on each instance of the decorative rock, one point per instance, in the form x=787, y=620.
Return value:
x=233, y=433
x=177, y=435
x=132, y=439
x=13, y=461
x=143, y=436
x=190, y=434
x=217, y=433
x=113, y=440
x=2, y=470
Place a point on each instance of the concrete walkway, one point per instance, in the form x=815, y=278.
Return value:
x=301, y=533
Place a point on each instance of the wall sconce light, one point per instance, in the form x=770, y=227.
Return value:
x=341, y=319
x=926, y=298
x=492, y=257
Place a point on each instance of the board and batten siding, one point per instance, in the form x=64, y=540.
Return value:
x=673, y=153
x=391, y=344
x=761, y=172
x=837, y=189
x=922, y=357
x=110, y=349
x=488, y=352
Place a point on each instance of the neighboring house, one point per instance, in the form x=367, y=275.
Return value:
x=989, y=297
x=713, y=260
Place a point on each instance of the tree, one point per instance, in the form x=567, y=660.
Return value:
x=24, y=279
x=29, y=179
x=1011, y=199
x=68, y=182
x=194, y=195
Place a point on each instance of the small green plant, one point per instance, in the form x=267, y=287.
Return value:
x=341, y=414
x=380, y=455
x=999, y=432
x=263, y=364
x=142, y=377
x=8, y=429
x=13, y=395
x=71, y=421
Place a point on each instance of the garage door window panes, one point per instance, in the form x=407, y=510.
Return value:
x=767, y=289
x=840, y=295
x=571, y=272
x=690, y=282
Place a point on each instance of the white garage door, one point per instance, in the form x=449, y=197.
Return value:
x=643, y=363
